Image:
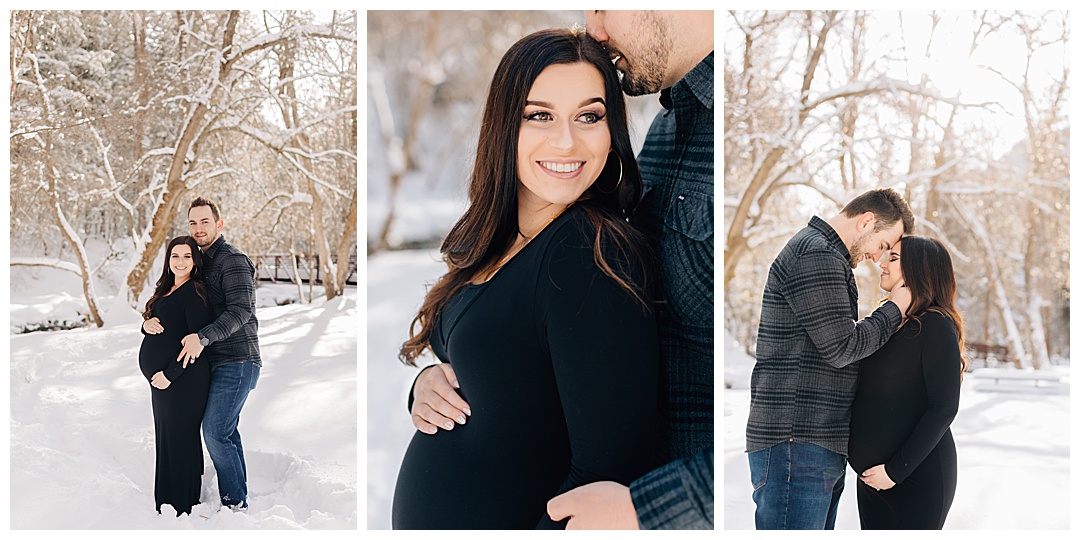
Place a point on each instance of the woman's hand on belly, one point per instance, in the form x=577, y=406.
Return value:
x=153, y=326
x=436, y=404
x=877, y=478
x=159, y=381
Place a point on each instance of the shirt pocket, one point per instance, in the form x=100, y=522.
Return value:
x=690, y=210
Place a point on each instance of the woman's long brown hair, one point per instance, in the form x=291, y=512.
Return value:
x=928, y=274
x=168, y=279
x=489, y=226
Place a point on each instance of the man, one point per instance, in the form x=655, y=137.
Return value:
x=230, y=343
x=670, y=52
x=805, y=376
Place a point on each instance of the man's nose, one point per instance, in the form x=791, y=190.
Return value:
x=594, y=26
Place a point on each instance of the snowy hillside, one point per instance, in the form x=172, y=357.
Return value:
x=82, y=437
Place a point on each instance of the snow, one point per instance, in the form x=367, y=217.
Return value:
x=396, y=288
x=1012, y=442
x=81, y=426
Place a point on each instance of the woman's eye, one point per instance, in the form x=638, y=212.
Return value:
x=591, y=117
x=540, y=116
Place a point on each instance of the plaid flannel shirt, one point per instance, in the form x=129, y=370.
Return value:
x=805, y=376
x=230, y=280
x=677, y=211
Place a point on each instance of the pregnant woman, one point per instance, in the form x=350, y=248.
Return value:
x=178, y=394
x=909, y=392
x=544, y=311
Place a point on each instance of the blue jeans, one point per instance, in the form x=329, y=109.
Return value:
x=229, y=388
x=796, y=486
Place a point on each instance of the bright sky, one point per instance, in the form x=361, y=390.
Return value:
x=952, y=70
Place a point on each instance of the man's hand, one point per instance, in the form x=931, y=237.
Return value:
x=192, y=349
x=152, y=326
x=600, y=505
x=877, y=478
x=901, y=296
x=435, y=403
x=159, y=381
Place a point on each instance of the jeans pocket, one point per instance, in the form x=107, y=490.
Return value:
x=759, y=467
x=255, y=371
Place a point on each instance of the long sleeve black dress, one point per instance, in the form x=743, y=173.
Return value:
x=178, y=410
x=559, y=366
x=909, y=392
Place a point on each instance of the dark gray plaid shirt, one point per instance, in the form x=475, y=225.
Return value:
x=230, y=280
x=808, y=342
x=677, y=211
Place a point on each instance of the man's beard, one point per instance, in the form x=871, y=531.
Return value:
x=856, y=251
x=646, y=69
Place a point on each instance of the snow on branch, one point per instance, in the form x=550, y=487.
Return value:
x=30, y=130
x=878, y=85
x=294, y=32
x=50, y=263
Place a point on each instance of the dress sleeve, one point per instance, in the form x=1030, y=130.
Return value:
x=412, y=389
x=940, y=358
x=817, y=291
x=196, y=315
x=678, y=495
x=604, y=354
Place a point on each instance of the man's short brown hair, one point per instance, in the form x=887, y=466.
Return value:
x=203, y=201
x=888, y=207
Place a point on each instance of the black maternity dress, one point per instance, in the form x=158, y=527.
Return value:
x=178, y=410
x=909, y=392
x=559, y=366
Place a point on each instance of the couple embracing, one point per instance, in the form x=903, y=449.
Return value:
x=574, y=326
x=202, y=308
x=879, y=393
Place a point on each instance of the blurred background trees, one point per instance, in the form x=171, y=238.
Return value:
x=427, y=74
x=964, y=113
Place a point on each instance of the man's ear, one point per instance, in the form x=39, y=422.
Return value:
x=865, y=220
x=220, y=224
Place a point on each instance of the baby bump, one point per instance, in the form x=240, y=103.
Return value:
x=479, y=480
x=156, y=353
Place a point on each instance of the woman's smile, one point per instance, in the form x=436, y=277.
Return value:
x=562, y=169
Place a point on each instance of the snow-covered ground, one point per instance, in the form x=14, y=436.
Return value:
x=81, y=426
x=1012, y=445
x=396, y=287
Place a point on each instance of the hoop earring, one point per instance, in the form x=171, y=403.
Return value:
x=614, y=189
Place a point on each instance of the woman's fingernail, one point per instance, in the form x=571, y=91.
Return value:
x=460, y=419
x=432, y=430
x=449, y=425
x=467, y=411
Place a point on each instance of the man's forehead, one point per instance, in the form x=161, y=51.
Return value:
x=198, y=213
x=892, y=236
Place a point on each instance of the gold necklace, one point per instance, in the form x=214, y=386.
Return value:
x=513, y=252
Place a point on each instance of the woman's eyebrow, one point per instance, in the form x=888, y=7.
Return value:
x=582, y=104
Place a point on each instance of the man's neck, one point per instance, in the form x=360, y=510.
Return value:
x=695, y=42
x=844, y=227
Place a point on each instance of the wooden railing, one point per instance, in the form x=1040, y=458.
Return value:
x=286, y=268
x=988, y=354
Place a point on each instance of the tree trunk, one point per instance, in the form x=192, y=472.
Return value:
x=176, y=188
x=344, y=250
x=291, y=116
